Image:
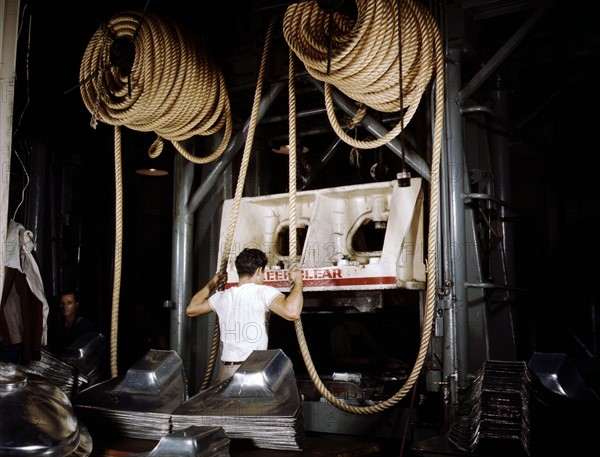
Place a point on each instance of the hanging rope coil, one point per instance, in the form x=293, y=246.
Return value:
x=436, y=63
x=146, y=73
x=364, y=61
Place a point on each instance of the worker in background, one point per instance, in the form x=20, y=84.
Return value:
x=244, y=310
x=72, y=326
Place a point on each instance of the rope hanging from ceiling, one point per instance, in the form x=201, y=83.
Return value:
x=369, y=77
x=147, y=73
x=239, y=190
x=361, y=58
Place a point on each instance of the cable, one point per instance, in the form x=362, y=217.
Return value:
x=293, y=150
x=24, y=187
x=365, y=56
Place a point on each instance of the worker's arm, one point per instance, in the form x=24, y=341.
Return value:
x=199, y=303
x=290, y=307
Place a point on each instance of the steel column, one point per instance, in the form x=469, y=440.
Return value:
x=456, y=247
x=184, y=208
x=181, y=263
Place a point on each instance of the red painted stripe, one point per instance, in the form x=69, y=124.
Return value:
x=338, y=282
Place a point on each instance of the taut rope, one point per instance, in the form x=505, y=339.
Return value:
x=238, y=194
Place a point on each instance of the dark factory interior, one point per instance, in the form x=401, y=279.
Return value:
x=513, y=291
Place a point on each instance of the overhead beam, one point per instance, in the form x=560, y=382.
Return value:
x=347, y=105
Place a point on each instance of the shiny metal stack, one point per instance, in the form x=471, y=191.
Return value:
x=37, y=418
x=260, y=404
x=75, y=368
x=138, y=404
x=192, y=442
x=86, y=355
x=495, y=408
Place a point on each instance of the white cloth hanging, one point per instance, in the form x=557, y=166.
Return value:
x=19, y=254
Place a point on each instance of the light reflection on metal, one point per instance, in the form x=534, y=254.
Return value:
x=37, y=417
x=260, y=403
x=151, y=172
x=192, y=442
x=137, y=404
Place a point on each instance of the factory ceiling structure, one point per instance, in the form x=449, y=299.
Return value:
x=542, y=53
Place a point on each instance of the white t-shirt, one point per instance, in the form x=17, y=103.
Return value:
x=243, y=319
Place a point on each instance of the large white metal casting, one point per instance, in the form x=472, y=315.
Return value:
x=358, y=237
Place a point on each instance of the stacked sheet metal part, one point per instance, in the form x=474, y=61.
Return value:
x=260, y=404
x=559, y=374
x=139, y=403
x=494, y=408
x=192, y=442
x=86, y=355
x=58, y=372
x=78, y=366
x=564, y=405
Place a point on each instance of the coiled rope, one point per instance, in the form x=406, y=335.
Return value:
x=368, y=37
x=363, y=61
x=166, y=83
x=146, y=73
